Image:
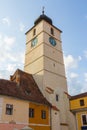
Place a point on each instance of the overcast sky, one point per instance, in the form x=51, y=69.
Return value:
x=70, y=16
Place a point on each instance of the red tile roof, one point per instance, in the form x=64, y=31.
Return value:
x=22, y=85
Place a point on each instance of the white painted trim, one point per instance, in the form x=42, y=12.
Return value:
x=22, y=123
x=49, y=116
x=38, y=124
x=1, y=107
x=81, y=118
x=76, y=122
x=7, y=122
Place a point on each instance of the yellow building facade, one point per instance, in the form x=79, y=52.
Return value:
x=22, y=104
x=78, y=105
x=40, y=120
x=19, y=113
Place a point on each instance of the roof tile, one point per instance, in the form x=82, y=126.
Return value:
x=24, y=88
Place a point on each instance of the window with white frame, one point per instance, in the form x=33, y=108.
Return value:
x=34, y=32
x=31, y=112
x=9, y=109
x=52, y=31
x=84, y=119
x=43, y=114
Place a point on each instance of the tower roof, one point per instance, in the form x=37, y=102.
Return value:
x=43, y=17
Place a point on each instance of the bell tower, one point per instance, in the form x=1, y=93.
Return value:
x=44, y=60
x=44, y=57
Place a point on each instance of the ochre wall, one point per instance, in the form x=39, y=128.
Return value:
x=75, y=104
x=79, y=118
x=40, y=127
x=79, y=110
x=37, y=122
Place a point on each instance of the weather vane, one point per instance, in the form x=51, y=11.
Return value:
x=43, y=10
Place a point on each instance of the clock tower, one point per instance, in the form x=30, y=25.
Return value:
x=44, y=60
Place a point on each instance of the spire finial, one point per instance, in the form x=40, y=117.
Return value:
x=43, y=10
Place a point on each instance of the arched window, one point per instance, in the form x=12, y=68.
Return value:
x=34, y=32
x=52, y=31
x=57, y=97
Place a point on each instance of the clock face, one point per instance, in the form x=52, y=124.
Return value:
x=52, y=41
x=34, y=42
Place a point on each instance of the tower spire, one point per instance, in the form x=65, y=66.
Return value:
x=43, y=17
x=43, y=10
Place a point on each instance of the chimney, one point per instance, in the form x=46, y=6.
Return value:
x=18, y=79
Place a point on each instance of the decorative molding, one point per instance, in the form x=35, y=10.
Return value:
x=49, y=90
x=55, y=108
x=12, y=122
x=78, y=110
x=67, y=94
x=38, y=124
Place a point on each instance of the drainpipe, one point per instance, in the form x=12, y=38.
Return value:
x=76, y=121
x=50, y=119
